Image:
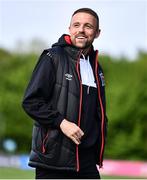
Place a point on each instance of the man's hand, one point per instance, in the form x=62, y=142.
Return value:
x=72, y=131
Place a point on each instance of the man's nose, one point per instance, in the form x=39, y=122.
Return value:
x=81, y=29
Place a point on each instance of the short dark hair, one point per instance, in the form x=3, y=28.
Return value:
x=89, y=11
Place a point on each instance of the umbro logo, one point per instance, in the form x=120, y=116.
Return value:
x=68, y=76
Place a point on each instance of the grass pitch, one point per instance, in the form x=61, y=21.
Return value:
x=14, y=173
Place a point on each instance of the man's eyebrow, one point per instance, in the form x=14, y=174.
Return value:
x=76, y=22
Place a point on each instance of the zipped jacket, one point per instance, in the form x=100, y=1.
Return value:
x=54, y=93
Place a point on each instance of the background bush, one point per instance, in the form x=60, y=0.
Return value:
x=126, y=92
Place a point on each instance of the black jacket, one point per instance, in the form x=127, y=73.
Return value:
x=55, y=93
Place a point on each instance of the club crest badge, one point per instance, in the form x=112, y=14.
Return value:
x=102, y=78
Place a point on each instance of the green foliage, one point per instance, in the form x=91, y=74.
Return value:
x=15, y=73
x=126, y=93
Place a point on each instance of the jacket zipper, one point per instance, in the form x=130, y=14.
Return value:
x=80, y=108
x=102, y=110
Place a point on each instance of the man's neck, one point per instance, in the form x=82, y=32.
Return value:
x=86, y=51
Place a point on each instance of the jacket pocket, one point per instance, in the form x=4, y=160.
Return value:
x=38, y=136
x=45, y=140
x=50, y=141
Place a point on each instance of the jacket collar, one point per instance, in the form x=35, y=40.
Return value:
x=65, y=42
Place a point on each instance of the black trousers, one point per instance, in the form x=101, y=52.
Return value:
x=88, y=169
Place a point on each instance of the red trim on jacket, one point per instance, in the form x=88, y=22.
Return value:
x=67, y=39
x=102, y=110
x=80, y=108
x=43, y=144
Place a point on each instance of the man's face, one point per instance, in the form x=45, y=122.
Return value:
x=83, y=30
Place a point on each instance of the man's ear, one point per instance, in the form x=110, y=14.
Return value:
x=97, y=34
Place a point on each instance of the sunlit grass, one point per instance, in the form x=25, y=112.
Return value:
x=14, y=173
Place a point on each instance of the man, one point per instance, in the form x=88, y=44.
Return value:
x=66, y=99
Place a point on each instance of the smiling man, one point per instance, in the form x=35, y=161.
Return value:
x=66, y=99
x=83, y=29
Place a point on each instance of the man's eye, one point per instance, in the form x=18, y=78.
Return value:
x=89, y=26
x=76, y=25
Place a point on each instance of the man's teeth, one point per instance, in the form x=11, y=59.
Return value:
x=81, y=37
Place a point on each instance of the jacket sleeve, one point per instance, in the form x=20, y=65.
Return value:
x=37, y=99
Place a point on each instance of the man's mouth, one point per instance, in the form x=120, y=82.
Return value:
x=81, y=37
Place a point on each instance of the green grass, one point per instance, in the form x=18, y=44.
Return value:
x=13, y=173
